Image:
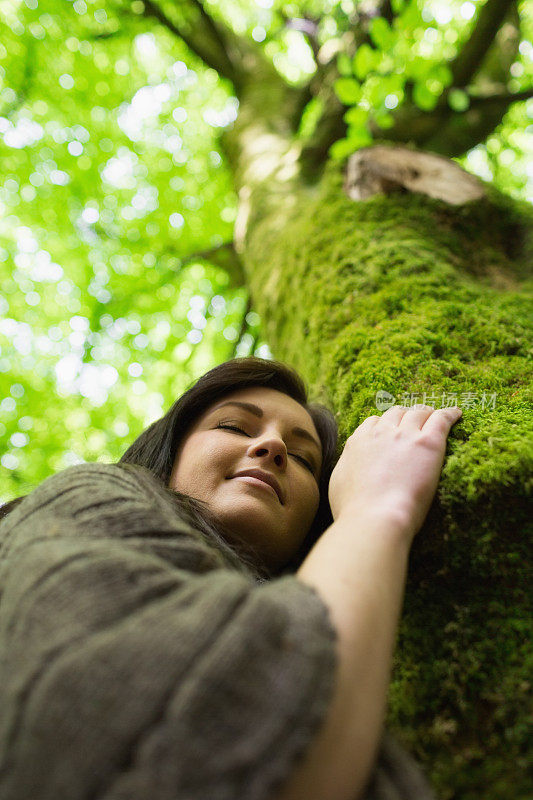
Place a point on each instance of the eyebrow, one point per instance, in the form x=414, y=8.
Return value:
x=259, y=413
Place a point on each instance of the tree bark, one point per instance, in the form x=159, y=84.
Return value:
x=403, y=293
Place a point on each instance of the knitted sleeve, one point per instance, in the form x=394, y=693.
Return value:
x=135, y=664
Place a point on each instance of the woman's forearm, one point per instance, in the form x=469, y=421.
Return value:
x=359, y=568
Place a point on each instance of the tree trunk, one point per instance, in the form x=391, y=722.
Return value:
x=408, y=295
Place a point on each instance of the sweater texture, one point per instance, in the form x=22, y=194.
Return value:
x=139, y=661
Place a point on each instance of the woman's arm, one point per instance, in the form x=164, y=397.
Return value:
x=359, y=568
x=380, y=492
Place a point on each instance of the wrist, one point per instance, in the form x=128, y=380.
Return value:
x=388, y=519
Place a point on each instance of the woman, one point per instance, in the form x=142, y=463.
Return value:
x=158, y=449
x=214, y=616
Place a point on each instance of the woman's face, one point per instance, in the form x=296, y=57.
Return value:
x=276, y=437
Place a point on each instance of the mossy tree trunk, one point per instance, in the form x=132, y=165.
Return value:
x=424, y=299
x=420, y=298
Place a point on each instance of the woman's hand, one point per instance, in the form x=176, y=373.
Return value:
x=391, y=465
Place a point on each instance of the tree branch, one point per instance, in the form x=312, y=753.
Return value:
x=23, y=90
x=465, y=65
x=224, y=256
x=501, y=100
x=387, y=12
x=203, y=36
x=222, y=34
x=453, y=133
x=210, y=23
x=244, y=328
x=331, y=125
x=466, y=130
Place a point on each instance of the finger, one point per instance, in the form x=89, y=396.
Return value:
x=369, y=421
x=416, y=416
x=394, y=414
x=443, y=419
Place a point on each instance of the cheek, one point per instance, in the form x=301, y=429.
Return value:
x=200, y=462
x=185, y=466
x=308, y=498
x=316, y=500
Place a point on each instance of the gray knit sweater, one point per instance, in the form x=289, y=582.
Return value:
x=137, y=663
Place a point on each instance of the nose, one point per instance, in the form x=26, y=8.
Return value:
x=273, y=448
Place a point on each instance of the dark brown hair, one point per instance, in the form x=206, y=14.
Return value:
x=155, y=448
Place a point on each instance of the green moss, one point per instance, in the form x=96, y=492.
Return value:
x=411, y=295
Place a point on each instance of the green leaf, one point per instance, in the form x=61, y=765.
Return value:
x=381, y=33
x=348, y=90
x=375, y=91
x=360, y=137
x=344, y=64
x=397, y=6
x=458, y=100
x=356, y=116
x=423, y=98
x=441, y=73
x=310, y=116
x=418, y=68
x=345, y=147
x=341, y=149
x=393, y=83
x=412, y=15
x=384, y=119
x=365, y=60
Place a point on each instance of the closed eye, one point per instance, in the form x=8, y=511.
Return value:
x=232, y=428
x=300, y=458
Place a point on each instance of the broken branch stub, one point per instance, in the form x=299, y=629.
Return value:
x=382, y=170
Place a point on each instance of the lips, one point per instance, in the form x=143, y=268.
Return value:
x=266, y=477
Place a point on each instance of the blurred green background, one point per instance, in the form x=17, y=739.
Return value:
x=113, y=178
